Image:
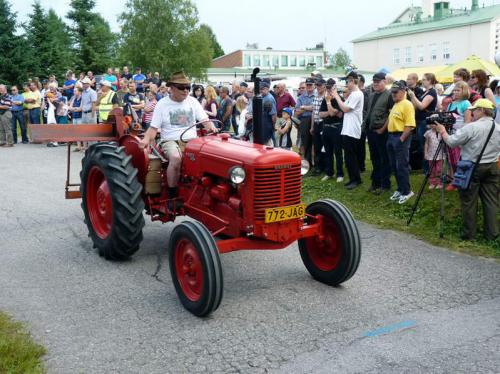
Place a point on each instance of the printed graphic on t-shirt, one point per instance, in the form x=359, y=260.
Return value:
x=181, y=118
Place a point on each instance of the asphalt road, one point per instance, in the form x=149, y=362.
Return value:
x=411, y=307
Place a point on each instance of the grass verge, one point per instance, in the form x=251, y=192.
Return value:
x=383, y=213
x=18, y=353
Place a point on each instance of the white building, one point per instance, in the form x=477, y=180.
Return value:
x=433, y=34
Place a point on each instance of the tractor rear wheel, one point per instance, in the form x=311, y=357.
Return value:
x=111, y=201
x=196, y=268
x=334, y=256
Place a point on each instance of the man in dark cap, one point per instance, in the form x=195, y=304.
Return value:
x=303, y=111
x=375, y=125
x=317, y=127
x=400, y=126
x=268, y=113
x=332, y=127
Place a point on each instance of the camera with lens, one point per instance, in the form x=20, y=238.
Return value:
x=447, y=119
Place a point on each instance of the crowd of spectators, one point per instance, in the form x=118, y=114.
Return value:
x=327, y=123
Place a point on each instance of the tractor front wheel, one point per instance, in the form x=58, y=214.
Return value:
x=333, y=256
x=111, y=201
x=195, y=268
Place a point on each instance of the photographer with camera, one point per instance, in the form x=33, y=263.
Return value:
x=423, y=105
x=480, y=135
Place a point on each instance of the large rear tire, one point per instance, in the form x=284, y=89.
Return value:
x=334, y=257
x=112, y=201
x=196, y=268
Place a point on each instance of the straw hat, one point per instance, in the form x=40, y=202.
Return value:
x=178, y=78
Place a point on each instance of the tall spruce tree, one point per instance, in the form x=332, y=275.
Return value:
x=163, y=35
x=48, y=37
x=92, y=37
x=14, y=61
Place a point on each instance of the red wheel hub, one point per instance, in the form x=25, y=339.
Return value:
x=99, y=203
x=189, y=269
x=326, y=252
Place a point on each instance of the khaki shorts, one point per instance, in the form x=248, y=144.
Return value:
x=172, y=147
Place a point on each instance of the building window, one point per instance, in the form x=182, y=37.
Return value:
x=293, y=60
x=319, y=61
x=408, y=55
x=446, y=50
x=276, y=60
x=395, y=58
x=256, y=60
x=284, y=61
x=420, y=53
x=265, y=60
x=310, y=59
x=433, y=51
x=247, y=60
x=302, y=61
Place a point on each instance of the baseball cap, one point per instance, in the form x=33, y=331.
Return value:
x=86, y=80
x=310, y=81
x=243, y=84
x=330, y=82
x=264, y=84
x=352, y=74
x=398, y=86
x=482, y=103
x=106, y=83
x=361, y=78
x=320, y=81
x=378, y=77
x=288, y=110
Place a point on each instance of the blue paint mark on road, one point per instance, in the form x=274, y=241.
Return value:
x=390, y=328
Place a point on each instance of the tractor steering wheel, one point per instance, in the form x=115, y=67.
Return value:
x=197, y=124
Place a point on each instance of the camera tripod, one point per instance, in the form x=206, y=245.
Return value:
x=444, y=178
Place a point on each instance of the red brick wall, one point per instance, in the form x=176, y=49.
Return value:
x=229, y=61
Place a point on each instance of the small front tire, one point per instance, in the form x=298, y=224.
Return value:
x=196, y=268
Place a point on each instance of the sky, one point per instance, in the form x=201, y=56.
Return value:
x=279, y=24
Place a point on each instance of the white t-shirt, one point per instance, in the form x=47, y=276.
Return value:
x=353, y=119
x=173, y=118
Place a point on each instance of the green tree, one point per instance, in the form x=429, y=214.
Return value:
x=163, y=35
x=218, y=51
x=92, y=37
x=341, y=59
x=14, y=64
x=50, y=43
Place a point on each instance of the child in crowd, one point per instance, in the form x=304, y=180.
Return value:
x=285, y=130
x=432, y=139
x=149, y=109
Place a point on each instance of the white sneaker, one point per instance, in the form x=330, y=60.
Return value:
x=340, y=179
x=404, y=198
x=325, y=178
x=395, y=196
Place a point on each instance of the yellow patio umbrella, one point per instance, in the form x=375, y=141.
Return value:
x=420, y=71
x=470, y=63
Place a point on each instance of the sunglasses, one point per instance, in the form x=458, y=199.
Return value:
x=182, y=87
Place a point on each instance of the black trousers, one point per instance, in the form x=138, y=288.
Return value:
x=333, y=148
x=306, y=138
x=361, y=151
x=319, y=156
x=351, y=147
x=380, y=159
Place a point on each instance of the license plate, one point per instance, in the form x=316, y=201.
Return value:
x=285, y=213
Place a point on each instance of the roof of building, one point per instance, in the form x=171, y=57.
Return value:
x=455, y=19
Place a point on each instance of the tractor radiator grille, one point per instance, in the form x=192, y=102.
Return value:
x=276, y=188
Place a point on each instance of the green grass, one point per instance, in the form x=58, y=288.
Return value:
x=18, y=353
x=383, y=213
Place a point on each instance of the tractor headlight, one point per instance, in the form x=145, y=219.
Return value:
x=304, y=167
x=237, y=175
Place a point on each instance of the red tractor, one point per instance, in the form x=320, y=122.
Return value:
x=240, y=196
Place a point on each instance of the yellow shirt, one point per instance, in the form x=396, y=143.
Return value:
x=33, y=95
x=402, y=115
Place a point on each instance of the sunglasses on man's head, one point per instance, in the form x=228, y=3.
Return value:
x=182, y=87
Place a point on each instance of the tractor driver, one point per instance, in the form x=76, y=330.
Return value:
x=172, y=116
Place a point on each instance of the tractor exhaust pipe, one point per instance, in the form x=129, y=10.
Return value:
x=258, y=137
